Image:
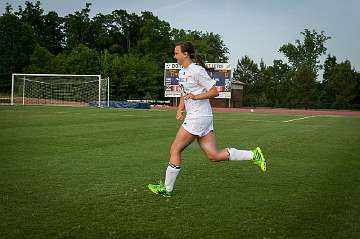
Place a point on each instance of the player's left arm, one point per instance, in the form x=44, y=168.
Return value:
x=211, y=93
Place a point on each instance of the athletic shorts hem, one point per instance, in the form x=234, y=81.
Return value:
x=199, y=127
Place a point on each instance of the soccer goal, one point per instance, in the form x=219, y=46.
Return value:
x=59, y=89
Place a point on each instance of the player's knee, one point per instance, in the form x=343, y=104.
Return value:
x=213, y=156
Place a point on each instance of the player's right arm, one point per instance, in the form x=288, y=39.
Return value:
x=181, y=109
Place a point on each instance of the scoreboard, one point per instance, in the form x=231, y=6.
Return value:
x=221, y=74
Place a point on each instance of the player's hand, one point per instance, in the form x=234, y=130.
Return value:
x=179, y=115
x=188, y=96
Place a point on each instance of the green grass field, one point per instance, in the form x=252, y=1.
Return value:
x=83, y=173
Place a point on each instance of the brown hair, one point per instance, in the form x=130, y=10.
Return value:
x=187, y=46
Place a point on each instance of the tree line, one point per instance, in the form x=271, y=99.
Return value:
x=294, y=84
x=131, y=49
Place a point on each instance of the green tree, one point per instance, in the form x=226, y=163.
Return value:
x=216, y=51
x=344, y=83
x=40, y=61
x=81, y=60
x=247, y=72
x=125, y=31
x=327, y=94
x=277, y=88
x=329, y=65
x=303, y=90
x=77, y=28
x=136, y=77
x=99, y=32
x=155, y=37
x=356, y=102
x=262, y=85
x=52, y=36
x=306, y=52
x=304, y=59
x=105, y=61
x=47, y=28
x=17, y=42
x=32, y=15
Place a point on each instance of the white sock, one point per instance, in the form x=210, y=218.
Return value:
x=172, y=172
x=236, y=154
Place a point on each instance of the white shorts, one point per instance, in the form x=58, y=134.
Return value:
x=200, y=126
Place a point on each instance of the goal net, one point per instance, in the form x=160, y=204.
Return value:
x=59, y=89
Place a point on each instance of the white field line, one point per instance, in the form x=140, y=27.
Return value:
x=249, y=120
x=266, y=121
x=286, y=121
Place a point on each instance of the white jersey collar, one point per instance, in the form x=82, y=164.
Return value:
x=189, y=66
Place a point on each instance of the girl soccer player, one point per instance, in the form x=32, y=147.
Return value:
x=197, y=88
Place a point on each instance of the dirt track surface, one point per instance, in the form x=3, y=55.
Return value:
x=278, y=111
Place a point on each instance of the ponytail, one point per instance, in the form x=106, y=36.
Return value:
x=199, y=61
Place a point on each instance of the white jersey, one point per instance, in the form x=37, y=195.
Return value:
x=195, y=80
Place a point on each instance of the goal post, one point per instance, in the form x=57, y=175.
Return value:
x=59, y=89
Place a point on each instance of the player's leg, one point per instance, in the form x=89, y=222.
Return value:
x=255, y=155
x=208, y=145
x=182, y=140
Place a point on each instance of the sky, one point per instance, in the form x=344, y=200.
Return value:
x=256, y=28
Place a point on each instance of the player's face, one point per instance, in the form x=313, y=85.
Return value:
x=179, y=55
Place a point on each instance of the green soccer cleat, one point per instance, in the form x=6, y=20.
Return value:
x=259, y=159
x=159, y=189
